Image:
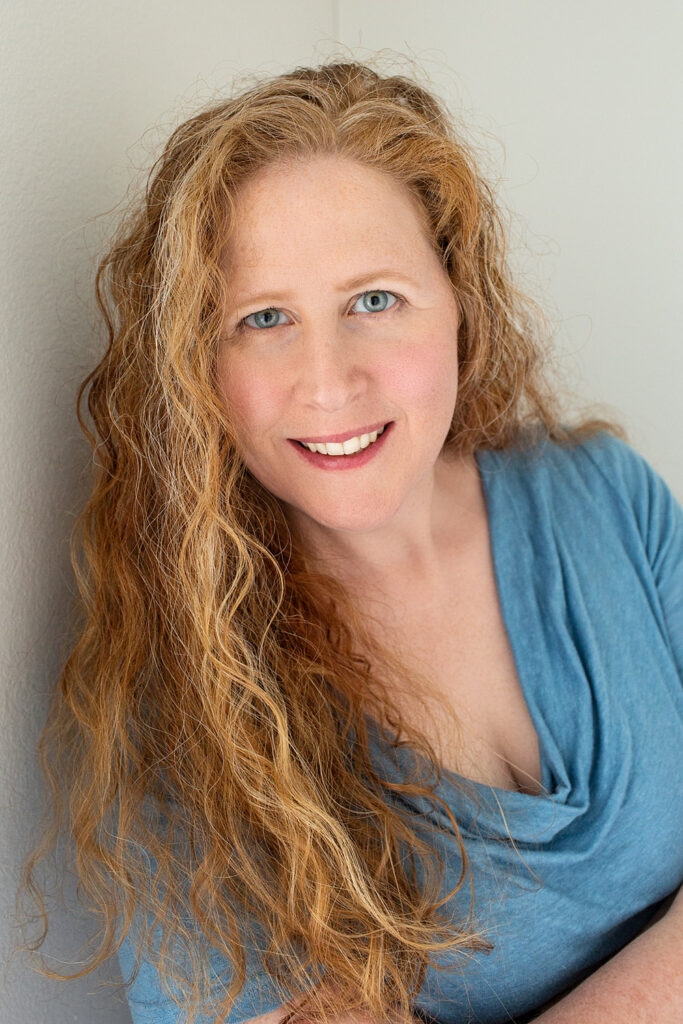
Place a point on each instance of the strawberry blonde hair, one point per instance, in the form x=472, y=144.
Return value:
x=206, y=745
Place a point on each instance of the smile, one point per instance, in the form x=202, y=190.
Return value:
x=349, y=454
x=354, y=444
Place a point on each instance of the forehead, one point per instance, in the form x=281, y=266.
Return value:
x=327, y=210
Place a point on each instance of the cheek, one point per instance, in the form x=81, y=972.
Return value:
x=425, y=375
x=249, y=394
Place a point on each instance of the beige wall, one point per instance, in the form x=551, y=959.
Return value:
x=581, y=95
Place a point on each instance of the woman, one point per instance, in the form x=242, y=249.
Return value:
x=376, y=702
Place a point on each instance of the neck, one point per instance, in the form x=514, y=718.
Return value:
x=416, y=545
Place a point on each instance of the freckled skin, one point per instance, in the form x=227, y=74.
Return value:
x=328, y=365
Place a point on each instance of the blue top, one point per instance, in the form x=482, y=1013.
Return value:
x=588, y=553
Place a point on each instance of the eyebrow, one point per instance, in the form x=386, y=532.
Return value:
x=355, y=282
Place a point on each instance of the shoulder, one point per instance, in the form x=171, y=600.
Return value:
x=614, y=467
x=601, y=480
x=621, y=478
x=602, y=465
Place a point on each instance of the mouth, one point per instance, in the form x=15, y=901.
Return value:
x=355, y=451
x=340, y=438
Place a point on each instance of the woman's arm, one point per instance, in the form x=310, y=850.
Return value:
x=642, y=984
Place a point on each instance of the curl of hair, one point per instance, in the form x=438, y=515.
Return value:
x=199, y=739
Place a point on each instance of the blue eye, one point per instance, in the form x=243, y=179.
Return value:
x=270, y=315
x=373, y=301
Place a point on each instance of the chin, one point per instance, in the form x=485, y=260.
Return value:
x=362, y=519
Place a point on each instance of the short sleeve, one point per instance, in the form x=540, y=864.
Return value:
x=659, y=521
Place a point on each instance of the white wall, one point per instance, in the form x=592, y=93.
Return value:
x=587, y=100
x=581, y=95
x=81, y=83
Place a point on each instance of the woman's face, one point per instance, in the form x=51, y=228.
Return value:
x=340, y=319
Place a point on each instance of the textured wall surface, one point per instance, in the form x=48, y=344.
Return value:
x=583, y=97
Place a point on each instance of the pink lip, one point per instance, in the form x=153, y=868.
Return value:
x=342, y=437
x=335, y=464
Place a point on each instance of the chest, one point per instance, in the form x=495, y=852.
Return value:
x=455, y=637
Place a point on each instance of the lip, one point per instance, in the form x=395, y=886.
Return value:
x=336, y=463
x=341, y=437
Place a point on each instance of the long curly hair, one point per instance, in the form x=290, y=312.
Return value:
x=207, y=746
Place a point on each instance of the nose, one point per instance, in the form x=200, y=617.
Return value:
x=329, y=373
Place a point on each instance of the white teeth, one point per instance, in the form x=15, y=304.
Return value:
x=354, y=444
x=351, y=446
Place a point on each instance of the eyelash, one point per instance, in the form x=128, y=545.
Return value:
x=243, y=325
